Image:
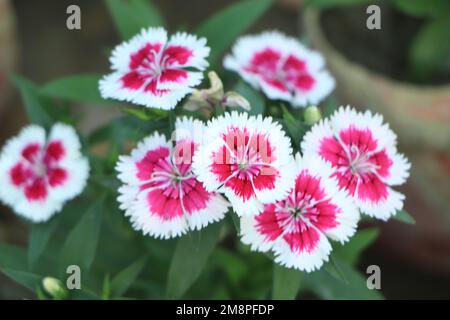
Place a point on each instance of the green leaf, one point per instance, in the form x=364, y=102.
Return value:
x=147, y=114
x=430, y=48
x=322, y=4
x=423, y=8
x=333, y=269
x=255, y=98
x=81, y=243
x=39, y=238
x=79, y=88
x=294, y=127
x=224, y=27
x=286, y=283
x=34, y=107
x=404, y=217
x=123, y=280
x=12, y=257
x=28, y=280
x=191, y=253
x=106, y=287
x=326, y=286
x=133, y=15
x=351, y=250
x=234, y=267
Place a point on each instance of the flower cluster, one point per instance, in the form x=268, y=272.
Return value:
x=289, y=204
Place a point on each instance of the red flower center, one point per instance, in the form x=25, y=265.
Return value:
x=244, y=161
x=284, y=72
x=171, y=188
x=153, y=64
x=39, y=170
x=361, y=167
x=301, y=216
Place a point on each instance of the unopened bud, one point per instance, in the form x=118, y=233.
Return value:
x=55, y=288
x=234, y=100
x=312, y=115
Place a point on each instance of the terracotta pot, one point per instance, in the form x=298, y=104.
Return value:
x=419, y=114
x=8, y=50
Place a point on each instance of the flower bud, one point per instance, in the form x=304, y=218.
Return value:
x=206, y=98
x=55, y=288
x=312, y=115
x=234, y=100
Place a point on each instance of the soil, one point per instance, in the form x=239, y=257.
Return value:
x=384, y=51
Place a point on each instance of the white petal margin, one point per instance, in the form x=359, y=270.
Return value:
x=303, y=260
x=111, y=87
x=252, y=237
x=196, y=45
x=190, y=129
x=120, y=58
x=348, y=216
x=126, y=166
x=383, y=209
x=10, y=155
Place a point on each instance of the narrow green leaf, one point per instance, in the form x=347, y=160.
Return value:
x=81, y=243
x=26, y=279
x=286, y=283
x=106, y=288
x=224, y=27
x=322, y=4
x=147, y=114
x=294, y=127
x=404, y=217
x=34, y=107
x=133, y=15
x=40, y=235
x=351, y=250
x=326, y=286
x=430, y=48
x=255, y=98
x=423, y=8
x=234, y=266
x=79, y=88
x=191, y=253
x=333, y=269
x=123, y=280
x=12, y=257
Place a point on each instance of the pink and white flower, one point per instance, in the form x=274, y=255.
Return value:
x=38, y=174
x=247, y=158
x=160, y=193
x=281, y=67
x=363, y=153
x=154, y=71
x=297, y=228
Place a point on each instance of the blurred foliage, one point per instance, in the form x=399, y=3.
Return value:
x=430, y=49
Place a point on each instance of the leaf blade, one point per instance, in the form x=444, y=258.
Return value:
x=191, y=254
x=79, y=88
x=123, y=280
x=221, y=33
x=286, y=283
x=81, y=243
